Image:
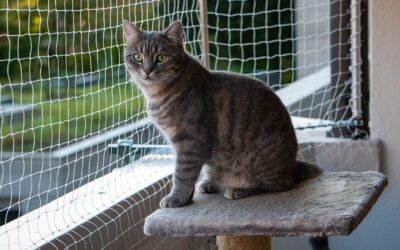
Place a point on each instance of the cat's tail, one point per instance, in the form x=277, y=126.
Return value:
x=305, y=170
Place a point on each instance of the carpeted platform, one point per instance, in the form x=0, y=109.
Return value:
x=332, y=204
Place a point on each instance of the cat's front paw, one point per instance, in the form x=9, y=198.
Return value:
x=171, y=201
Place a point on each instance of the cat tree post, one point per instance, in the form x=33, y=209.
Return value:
x=244, y=242
x=332, y=204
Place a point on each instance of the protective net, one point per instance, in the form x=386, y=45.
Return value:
x=312, y=47
x=66, y=97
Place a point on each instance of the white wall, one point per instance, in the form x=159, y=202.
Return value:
x=381, y=229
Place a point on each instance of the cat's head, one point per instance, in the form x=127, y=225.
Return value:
x=154, y=57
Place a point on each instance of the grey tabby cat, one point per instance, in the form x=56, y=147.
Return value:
x=232, y=126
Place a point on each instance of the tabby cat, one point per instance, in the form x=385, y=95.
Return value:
x=232, y=126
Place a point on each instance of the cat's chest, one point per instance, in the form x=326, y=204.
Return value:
x=165, y=118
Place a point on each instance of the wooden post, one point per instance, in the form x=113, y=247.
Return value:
x=204, y=33
x=244, y=242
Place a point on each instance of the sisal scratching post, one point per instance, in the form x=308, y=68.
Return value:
x=331, y=204
x=244, y=242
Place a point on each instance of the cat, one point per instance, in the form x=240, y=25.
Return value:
x=232, y=126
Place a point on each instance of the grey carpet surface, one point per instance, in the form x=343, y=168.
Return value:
x=332, y=204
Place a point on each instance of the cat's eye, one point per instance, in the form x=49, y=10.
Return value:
x=161, y=58
x=138, y=58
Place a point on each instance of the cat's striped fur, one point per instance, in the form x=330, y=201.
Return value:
x=233, y=125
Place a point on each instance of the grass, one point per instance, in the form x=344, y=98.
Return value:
x=77, y=114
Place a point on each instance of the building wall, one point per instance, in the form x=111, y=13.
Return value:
x=381, y=229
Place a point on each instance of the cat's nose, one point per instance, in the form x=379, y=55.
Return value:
x=147, y=71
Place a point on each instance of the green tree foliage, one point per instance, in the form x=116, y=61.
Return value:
x=46, y=41
x=252, y=36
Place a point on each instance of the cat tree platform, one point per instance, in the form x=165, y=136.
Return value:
x=332, y=204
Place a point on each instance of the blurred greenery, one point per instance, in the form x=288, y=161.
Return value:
x=43, y=42
x=252, y=36
x=46, y=39
x=83, y=112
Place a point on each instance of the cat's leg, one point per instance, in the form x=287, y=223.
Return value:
x=208, y=183
x=236, y=184
x=187, y=170
x=208, y=186
x=232, y=193
x=240, y=186
x=238, y=193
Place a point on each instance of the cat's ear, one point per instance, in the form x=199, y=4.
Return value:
x=175, y=32
x=130, y=31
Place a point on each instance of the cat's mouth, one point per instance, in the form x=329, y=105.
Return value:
x=148, y=79
x=151, y=78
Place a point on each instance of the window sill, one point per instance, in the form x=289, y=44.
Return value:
x=122, y=188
